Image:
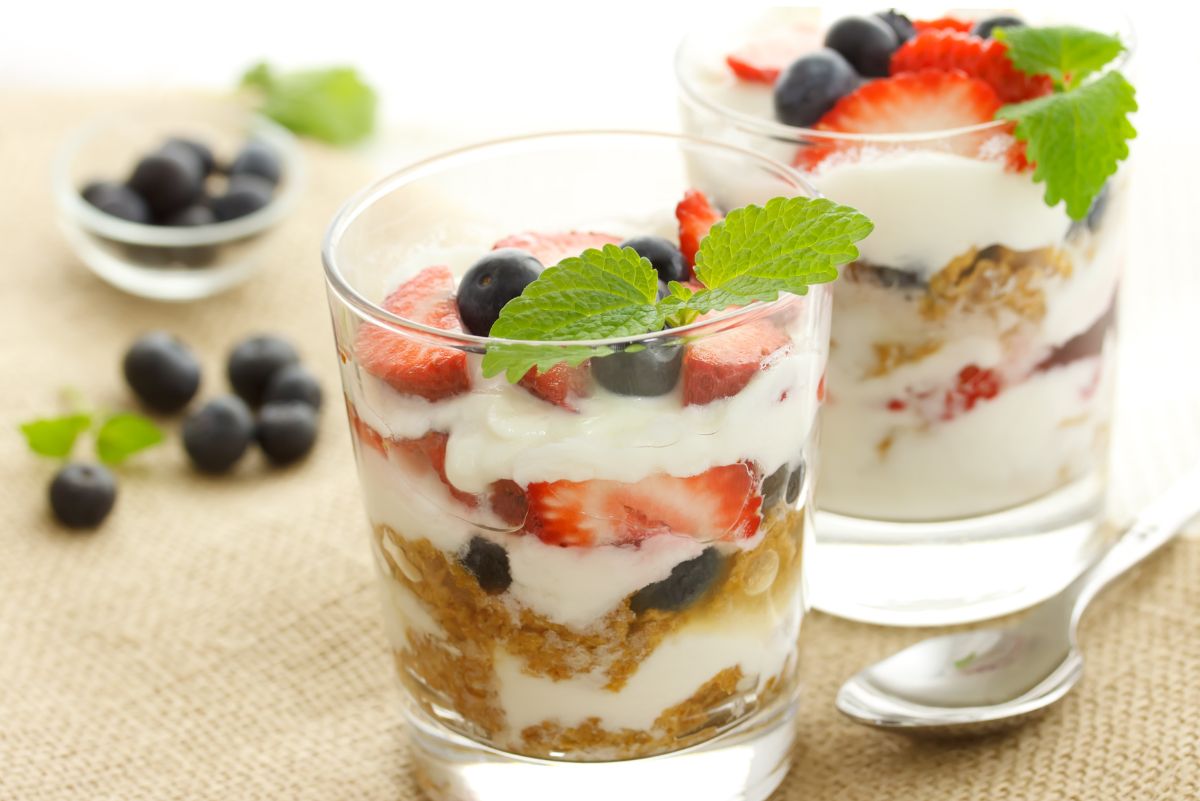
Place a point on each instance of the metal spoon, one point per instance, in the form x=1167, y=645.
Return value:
x=977, y=681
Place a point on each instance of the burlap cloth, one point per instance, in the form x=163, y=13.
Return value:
x=221, y=638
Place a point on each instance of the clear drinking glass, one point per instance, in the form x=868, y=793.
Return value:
x=651, y=641
x=971, y=365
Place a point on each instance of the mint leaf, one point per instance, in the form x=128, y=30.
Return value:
x=759, y=251
x=123, y=435
x=334, y=105
x=55, y=436
x=600, y=294
x=1076, y=138
x=1067, y=54
x=754, y=254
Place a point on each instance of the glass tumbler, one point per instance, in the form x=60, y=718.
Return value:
x=584, y=585
x=972, y=356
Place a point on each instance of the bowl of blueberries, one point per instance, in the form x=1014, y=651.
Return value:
x=175, y=201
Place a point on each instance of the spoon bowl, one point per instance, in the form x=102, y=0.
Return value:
x=978, y=681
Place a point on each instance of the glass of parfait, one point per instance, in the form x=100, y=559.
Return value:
x=601, y=561
x=972, y=351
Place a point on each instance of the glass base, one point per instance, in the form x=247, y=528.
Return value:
x=746, y=763
x=956, y=571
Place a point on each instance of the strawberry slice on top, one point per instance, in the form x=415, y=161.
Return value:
x=559, y=385
x=720, y=365
x=719, y=504
x=910, y=102
x=985, y=59
x=696, y=216
x=413, y=366
x=551, y=248
x=761, y=58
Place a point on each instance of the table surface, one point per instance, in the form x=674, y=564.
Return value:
x=220, y=638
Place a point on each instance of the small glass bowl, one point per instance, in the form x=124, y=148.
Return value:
x=169, y=263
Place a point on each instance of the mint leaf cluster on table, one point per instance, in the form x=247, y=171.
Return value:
x=334, y=105
x=754, y=254
x=117, y=437
x=1076, y=136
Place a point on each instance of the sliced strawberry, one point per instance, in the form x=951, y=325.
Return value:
x=366, y=435
x=942, y=24
x=974, y=384
x=911, y=102
x=429, y=451
x=558, y=385
x=721, y=503
x=722, y=364
x=508, y=501
x=551, y=248
x=761, y=59
x=985, y=59
x=696, y=215
x=409, y=364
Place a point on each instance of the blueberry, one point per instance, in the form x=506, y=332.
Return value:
x=488, y=562
x=492, y=282
x=984, y=28
x=811, y=85
x=208, y=162
x=664, y=257
x=217, y=434
x=162, y=371
x=82, y=495
x=245, y=194
x=687, y=583
x=260, y=159
x=118, y=200
x=287, y=430
x=795, y=482
x=651, y=371
x=195, y=214
x=293, y=383
x=900, y=24
x=866, y=42
x=254, y=361
x=168, y=180
x=773, y=486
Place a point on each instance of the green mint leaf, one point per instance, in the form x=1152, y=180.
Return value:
x=1076, y=138
x=123, y=435
x=334, y=105
x=599, y=294
x=55, y=436
x=785, y=246
x=1067, y=54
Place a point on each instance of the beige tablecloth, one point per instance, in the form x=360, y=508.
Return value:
x=220, y=638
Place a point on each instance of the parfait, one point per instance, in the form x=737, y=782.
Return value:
x=586, y=446
x=971, y=363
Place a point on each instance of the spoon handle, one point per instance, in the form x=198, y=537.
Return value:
x=1157, y=524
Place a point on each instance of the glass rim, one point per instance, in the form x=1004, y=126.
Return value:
x=749, y=123
x=373, y=313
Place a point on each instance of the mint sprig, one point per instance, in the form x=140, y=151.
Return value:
x=1076, y=136
x=334, y=105
x=754, y=254
x=118, y=437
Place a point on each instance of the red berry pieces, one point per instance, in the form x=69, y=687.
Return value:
x=722, y=364
x=942, y=24
x=761, y=59
x=719, y=504
x=430, y=451
x=551, y=248
x=985, y=59
x=411, y=365
x=974, y=385
x=911, y=102
x=558, y=385
x=508, y=501
x=696, y=215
